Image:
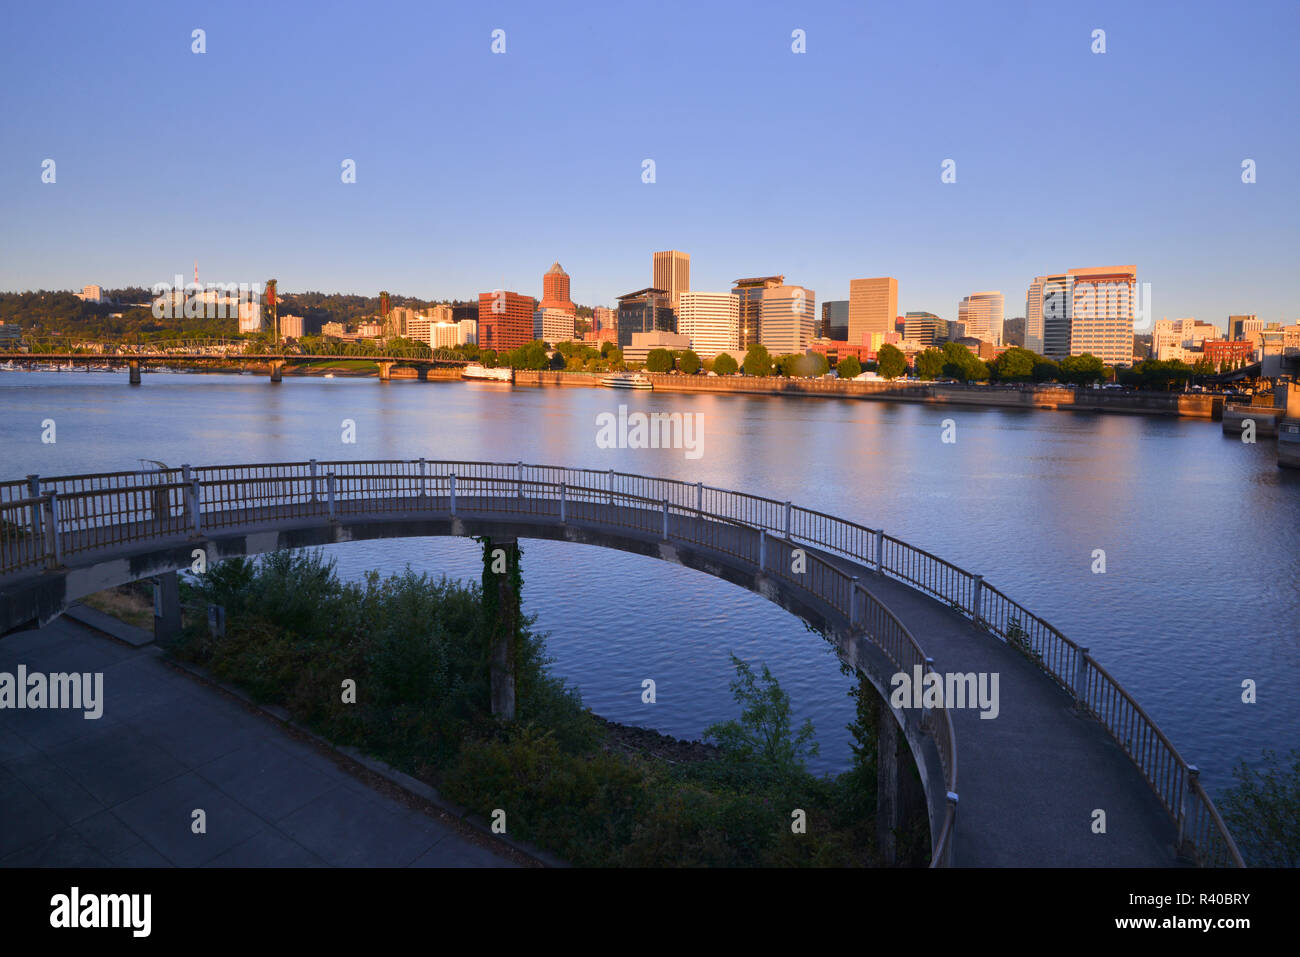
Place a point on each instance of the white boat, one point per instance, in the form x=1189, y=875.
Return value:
x=626, y=380
x=476, y=371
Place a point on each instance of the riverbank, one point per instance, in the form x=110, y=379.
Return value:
x=1013, y=396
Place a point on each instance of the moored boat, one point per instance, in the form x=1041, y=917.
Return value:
x=476, y=371
x=626, y=380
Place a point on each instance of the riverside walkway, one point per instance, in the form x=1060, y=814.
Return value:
x=1068, y=741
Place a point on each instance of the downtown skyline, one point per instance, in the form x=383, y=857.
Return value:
x=439, y=211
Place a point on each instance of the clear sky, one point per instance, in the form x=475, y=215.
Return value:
x=476, y=170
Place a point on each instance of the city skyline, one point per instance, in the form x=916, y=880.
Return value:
x=426, y=219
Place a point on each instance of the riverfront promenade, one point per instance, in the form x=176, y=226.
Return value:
x=120, y=790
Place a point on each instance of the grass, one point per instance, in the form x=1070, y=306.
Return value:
x=126, y=603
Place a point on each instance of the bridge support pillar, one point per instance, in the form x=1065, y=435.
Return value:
x=133, y=368
x=166, y=608
x=385, y=371
x=889, y=804
x=501, y=604
x=276, y=366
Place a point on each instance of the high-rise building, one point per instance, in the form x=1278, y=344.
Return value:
x=602, y=318
x=711, y=320
x=786, y=319
x=292, y=327
x=505, y=319
x=1236, y=325
x=835, y=320
x=982, y=313
x=398, y=320
x=671, y=271
x=646, y=310
x=552, y=325
x=1034, y=316
x=555, y=291
x=1102, y=301
x=1054, y=302
x=873, y=307
x=925, y=328
x=749, y=302
x=91, y=293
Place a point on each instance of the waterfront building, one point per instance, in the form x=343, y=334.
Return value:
x=786, y=319
x=602, y=318
x=250, y=317
x=982, y=312
x=711, y=321
x=551, y=324
x=873, y=307
x=505, y=319
x=1102, y=301
x=646, y=310
x=671, y=271
x=292, y=327
x=749, y=307
x=925, y=328
x=643, y=342
x=555, y=292
x=834, y=321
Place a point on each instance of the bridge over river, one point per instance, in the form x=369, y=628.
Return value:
x=1067, y=740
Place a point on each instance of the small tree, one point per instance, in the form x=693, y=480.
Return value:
x=763, y=736
x=689, y=363
x=890, y=361
x=1262, y=810
x=725, y=364
x=929, y=364
x=758, y=361
x=848, y=368
x=658, y=360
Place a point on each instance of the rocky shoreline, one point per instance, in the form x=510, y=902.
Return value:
x=647, y=742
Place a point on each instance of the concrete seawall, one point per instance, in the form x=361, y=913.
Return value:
x=1030, y=397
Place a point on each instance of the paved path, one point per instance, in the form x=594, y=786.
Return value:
x=1030, y=779
x=120, y=790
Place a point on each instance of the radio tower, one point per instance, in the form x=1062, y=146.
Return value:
x=196, y=272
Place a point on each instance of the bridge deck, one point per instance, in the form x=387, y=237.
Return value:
x=1030, y=780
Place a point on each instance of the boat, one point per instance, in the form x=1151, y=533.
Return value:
x=626, y=380
x=480, y=372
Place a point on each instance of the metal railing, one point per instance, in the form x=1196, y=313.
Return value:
x=43, y=521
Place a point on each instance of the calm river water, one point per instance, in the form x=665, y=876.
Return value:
x=1201, y=532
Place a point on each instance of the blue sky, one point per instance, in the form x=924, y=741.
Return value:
x=477, y=170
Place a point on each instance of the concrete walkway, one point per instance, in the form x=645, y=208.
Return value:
x=1030, y=779
x=120, y=790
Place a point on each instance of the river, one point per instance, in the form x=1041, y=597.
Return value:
x=1201, y=533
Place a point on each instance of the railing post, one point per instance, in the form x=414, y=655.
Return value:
x=762, y=549
x=952, y=831
x=34, y=491
x=787, y=519
x=1193, y=783
x=564, y=496
x=424, y=478
x=453, y=494
x=312, y=467
x=330, y=480
x=699, y=498
x=665, y=520
x=925, y=708
x=519, y=481
x=977, y=598
x=853, y=602
x=880, y=551
x=192, y=493
x=611, y=486
x=54, y=549
x=1080, y=677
